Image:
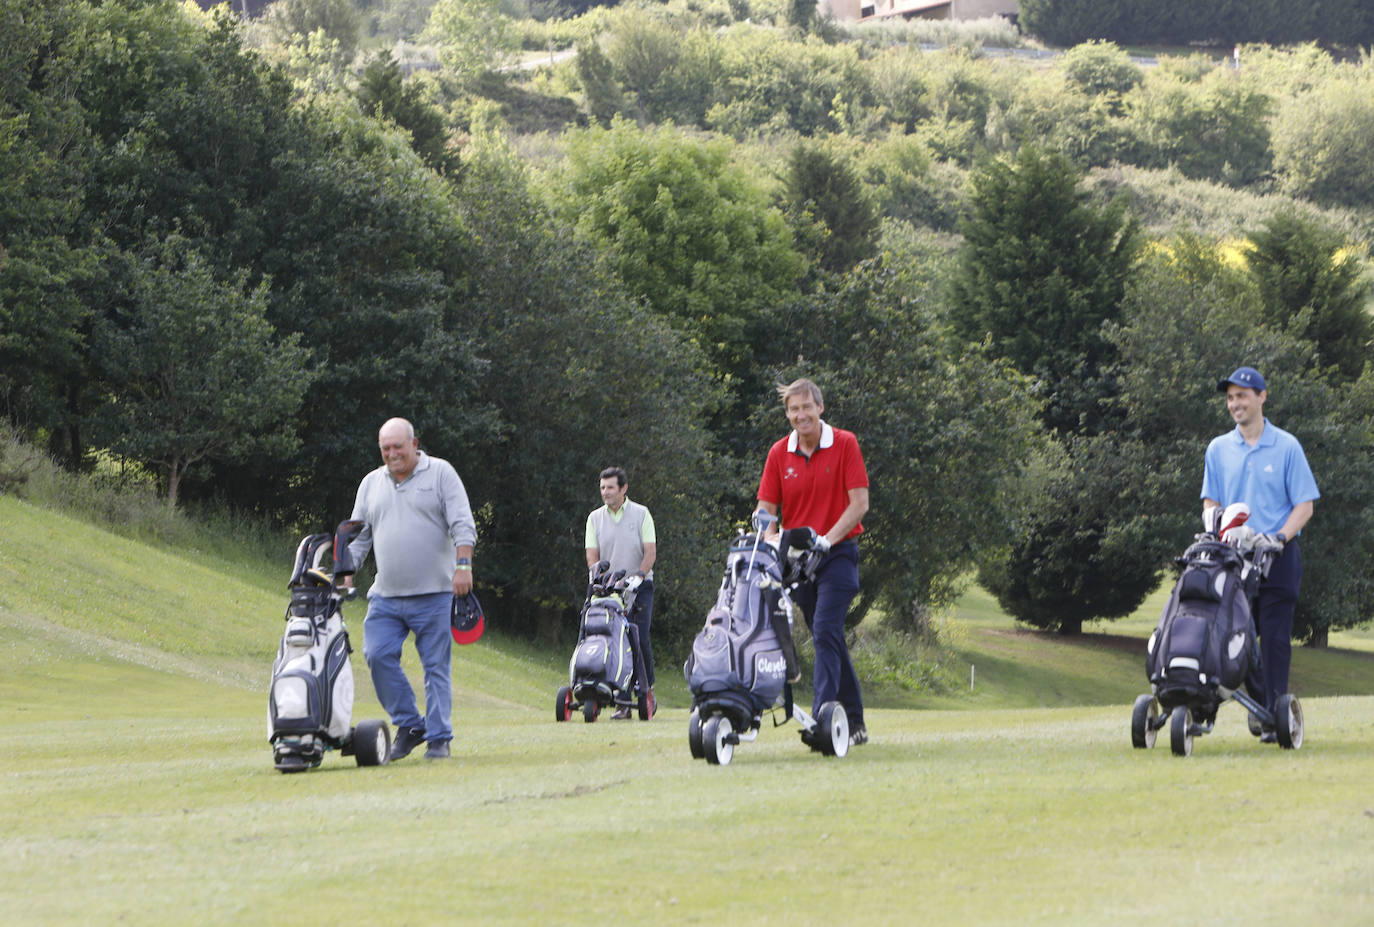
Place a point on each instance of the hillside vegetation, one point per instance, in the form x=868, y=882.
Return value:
x=229, y=249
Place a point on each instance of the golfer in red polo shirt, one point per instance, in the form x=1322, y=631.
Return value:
x=815, y=478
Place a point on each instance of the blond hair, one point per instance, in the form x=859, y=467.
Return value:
x=797, y=387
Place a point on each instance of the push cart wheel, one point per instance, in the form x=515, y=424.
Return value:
x=715, y=735
x=372, y=743
x=1288, y=725
x=1181, y=731
x=694, y=736
x=563, y=707
x=1252, y=721
x=590, y=709
x=642, y=706
x=1144, y=723
x=832, y=729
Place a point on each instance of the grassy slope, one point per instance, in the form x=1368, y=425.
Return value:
x=138, y=785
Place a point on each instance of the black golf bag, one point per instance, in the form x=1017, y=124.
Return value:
x=606, y=665
x=743, y=659
x=310, y=702
x=1205, y=646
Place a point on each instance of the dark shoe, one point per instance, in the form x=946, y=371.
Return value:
x=437, y=750
x=809, y=738
x=621, y=714
x=653, y=704
x=858, y=736
x=407, y=739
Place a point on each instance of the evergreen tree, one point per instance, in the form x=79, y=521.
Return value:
x=383, y=92
x=1041, y=269
x=829, y=208
x=1312, y=285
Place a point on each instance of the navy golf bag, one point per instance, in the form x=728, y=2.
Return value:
x=743, y=658
x=1205, y=646
x=310, y=701
x=607, y=666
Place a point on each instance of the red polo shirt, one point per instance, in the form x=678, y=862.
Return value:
x=814, y=493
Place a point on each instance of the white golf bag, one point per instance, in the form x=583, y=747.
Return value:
x=310, y=703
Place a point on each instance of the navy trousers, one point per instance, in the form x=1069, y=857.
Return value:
x=826, y=601
x=641, y=615
x=1275, y=604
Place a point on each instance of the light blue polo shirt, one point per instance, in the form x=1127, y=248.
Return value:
x=1271, y=477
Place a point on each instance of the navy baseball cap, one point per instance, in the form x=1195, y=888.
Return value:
x=1247, y=377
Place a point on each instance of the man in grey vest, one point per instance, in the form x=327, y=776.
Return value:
x=622, y=532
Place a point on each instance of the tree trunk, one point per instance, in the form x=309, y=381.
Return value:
x=174, y=473
x=1320, y=638
x=1071, y=627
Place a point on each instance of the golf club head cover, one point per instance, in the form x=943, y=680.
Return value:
x=305, y=556
x=1211, y=520
x=344, y=535
x=1236, y=514
x=798, y=539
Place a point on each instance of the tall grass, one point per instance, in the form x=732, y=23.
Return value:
x=126, y=501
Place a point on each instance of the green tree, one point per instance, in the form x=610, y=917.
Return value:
x=339, y=20
x=383, y=92
x=685, y=230
x=1100, y=69
x=587, y=377
x=195, y=370
x=601, y=95
x=1312, y=282
x=1081, y=547
x=474, y=37
x=1041, y=269
x=46, y=252
x=829, y=207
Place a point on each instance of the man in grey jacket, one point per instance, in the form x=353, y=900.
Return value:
x=419, y=526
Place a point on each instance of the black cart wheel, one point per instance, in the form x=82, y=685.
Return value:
x=1181, y=731
x=372, y=743
x=1288, y=725
x=563, y=706
x=715, y=736
x=642, y=706
x=694, y=735
x=832, y=729
x=1144, y=725
x=590, y=709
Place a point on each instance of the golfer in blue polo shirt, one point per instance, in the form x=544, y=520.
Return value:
x=1264, y=466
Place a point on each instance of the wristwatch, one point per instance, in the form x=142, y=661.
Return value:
x=464, y=563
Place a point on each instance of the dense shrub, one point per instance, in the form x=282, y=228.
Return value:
x=1067, y=22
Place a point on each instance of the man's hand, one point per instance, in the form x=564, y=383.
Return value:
x=822, y=543
x=462, y=582
x=1265, y=543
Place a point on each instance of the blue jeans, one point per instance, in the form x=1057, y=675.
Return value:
x=389, y=620
x=1274, y=608
x=640, y=615
x=826, y=601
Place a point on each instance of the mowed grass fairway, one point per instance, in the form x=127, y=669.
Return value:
x=138, y=788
